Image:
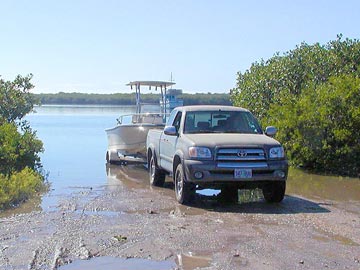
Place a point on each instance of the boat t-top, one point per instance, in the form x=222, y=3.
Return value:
x=127, y=140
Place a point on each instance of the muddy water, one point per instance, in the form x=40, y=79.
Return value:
x=323, y=187
x=182, y=261
x=111, y=263
x=300, y=183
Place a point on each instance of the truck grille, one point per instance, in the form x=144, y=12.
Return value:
x=241, y=157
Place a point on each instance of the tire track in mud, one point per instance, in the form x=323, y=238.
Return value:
x=148, y=223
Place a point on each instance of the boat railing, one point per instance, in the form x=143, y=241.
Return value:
x=143, y=118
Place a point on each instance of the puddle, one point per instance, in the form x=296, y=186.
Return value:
x=323, y=187
x=183, y=210
x=34, y=204
x=250, y=195
x=99, y=213
x=132, y=176
x=183, y=261
x=299, y=183
x=190, y=261
x=111, y=263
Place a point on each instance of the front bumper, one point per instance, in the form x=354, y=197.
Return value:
x=212, y=173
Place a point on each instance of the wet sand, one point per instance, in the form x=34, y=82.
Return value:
x=126, y=224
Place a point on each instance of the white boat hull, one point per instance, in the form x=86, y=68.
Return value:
x=126, y=142
x=128, y=138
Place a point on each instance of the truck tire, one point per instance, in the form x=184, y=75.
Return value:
x=157, y=176
x=274, y=192
x=229, y=194
x=185, y=192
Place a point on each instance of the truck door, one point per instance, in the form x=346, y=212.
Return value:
x=168, y=144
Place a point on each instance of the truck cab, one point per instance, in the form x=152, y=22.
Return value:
x=220, y=147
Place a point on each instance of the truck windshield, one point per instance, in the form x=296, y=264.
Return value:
x=221, y=122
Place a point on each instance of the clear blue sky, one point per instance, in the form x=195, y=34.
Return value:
x=99, y=46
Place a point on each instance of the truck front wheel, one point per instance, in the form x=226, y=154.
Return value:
x=157, y=176
x=274, y=192
x=185, y=192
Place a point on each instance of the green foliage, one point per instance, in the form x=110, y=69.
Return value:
x=321, y=130
x=284, y=77
x=19, y=147
x=16, y=99
x=19, y=187
x=312, y=94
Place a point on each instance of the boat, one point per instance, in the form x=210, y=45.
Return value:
x=171, y=100
x=127, y=140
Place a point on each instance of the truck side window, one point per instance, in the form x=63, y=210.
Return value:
x=170, y=121
x=177, y=121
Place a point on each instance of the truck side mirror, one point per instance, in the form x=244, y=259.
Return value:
x=170, y=130
x=270, y=131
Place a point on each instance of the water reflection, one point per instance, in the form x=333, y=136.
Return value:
x=34, y=204
x=191, y=261
x=323, y=187
x=299, y=183
x=187, y=261
x=250, y=201
x=132, y=176
x=111, y=263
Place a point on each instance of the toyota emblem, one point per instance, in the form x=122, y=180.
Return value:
x=242, y=153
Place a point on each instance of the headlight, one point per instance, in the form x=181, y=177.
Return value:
x=199, y=152
x=277, y=152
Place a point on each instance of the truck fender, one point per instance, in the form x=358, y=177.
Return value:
x=178, y=158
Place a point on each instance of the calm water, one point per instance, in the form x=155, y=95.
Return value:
x=75, y=145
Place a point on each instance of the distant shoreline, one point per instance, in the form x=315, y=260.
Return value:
x=87, y=105
x=122, y=99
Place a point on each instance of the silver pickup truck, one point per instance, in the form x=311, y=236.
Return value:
x=219, y=147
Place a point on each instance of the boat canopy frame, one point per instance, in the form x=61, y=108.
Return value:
x=163, y=85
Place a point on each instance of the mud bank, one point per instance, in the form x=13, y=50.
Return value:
x=125, y=224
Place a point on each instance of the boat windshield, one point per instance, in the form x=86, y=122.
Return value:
x=143, y=118
x=221, y=122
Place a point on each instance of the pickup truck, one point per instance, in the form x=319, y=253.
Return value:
x=218, y=147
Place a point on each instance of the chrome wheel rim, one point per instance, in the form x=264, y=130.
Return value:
x=152, y=170
x=179, y=183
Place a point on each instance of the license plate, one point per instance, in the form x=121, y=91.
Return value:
x=243, y=173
